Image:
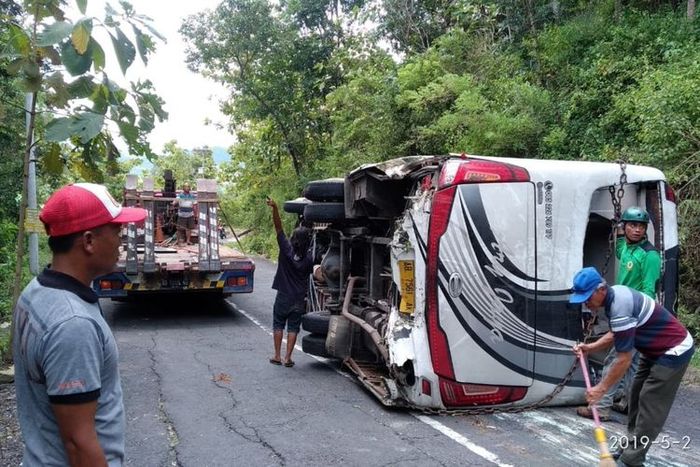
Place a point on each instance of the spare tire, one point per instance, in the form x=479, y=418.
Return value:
x=316, y=322
x=296, y=206
x=330, y=189
x=324, y=212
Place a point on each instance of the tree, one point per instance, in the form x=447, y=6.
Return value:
x=368, y=125
x=12, y=127
x=278, y=63
x=412, y=25
x=186, y=166
x=62, y=63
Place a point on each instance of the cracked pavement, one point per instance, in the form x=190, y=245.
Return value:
x=199, y=391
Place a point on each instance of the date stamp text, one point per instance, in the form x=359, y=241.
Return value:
x=663, y=442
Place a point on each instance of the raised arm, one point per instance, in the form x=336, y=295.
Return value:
x=275, y=215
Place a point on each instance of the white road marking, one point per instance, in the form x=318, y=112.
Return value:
x=449, y=432
x=572, y=425
x=296, y=346
x=458, y=438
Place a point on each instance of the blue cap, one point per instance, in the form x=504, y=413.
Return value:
x=586, y=281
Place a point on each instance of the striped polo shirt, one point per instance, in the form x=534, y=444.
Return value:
x=185, y=204
x=637, y=321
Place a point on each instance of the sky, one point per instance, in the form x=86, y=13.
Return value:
x=189, y=98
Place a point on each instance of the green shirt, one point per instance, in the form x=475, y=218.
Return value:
x=640, y=265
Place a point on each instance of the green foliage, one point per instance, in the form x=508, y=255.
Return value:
x=126, y=52
x=568, y=80
x=38, y=61
x=8, y=232
x=691, y=320
x=186, y=166
x=279, y=62
x=54, y=33
x=11, y=142
x=84, y=126
x=365, y=117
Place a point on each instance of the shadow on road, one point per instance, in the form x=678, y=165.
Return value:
x=173, y=311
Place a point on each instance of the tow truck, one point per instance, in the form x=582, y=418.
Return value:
x=152, y=261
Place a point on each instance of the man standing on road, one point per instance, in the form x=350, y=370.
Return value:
x=640, y=269
x=294, y=264
x=666, y=347
x=69, y=396
x=185, y=202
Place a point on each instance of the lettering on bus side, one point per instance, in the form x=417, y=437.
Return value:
x=548, y=215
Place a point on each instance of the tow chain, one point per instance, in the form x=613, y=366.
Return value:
x=616, y=199
x=588, y=329
x=616, y=196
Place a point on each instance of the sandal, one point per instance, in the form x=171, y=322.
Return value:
x=289, y=363
x=586, y=412
x=275, y=361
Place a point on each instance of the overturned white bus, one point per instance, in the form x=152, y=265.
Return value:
x=444, y=280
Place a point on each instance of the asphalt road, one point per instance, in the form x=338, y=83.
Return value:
x=199, y=391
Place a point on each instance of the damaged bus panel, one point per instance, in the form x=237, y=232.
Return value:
x=443, y=281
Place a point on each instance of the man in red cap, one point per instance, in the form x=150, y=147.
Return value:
x=69, y=396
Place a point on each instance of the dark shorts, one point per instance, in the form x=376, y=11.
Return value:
x=185, y=222
x=287, y=310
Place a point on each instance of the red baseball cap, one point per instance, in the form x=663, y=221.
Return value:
x=84, y=206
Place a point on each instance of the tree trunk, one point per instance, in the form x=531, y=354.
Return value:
x=691, y=10
x=22, y=216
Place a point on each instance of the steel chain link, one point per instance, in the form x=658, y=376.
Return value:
x=511, y=409
x=616, y=198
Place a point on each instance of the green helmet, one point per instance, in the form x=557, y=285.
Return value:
x=635, y=214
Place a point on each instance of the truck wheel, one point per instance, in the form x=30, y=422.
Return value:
x=295, y=206
x=315, y=345
x=330, y=189
x=316, y=322
x=324, y=212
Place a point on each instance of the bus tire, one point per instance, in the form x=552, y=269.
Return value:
x=315, y=344
x=295, y=206
x=330, y=189
x=316, y=322
x=324, y=212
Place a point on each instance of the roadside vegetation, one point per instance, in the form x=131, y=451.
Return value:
x=313, y=96
x=319, y=87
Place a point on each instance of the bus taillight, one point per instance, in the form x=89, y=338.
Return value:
x=670, y=194
x=456, y=394
x=439, y=218
x=458, y=171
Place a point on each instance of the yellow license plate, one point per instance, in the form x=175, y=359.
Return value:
x=408, y=289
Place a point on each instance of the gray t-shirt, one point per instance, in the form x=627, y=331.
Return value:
x=64, y=353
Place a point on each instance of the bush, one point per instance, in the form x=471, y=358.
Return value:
x=4, y=343
x=8, y=235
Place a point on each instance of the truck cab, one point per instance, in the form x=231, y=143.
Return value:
x=445, y=280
